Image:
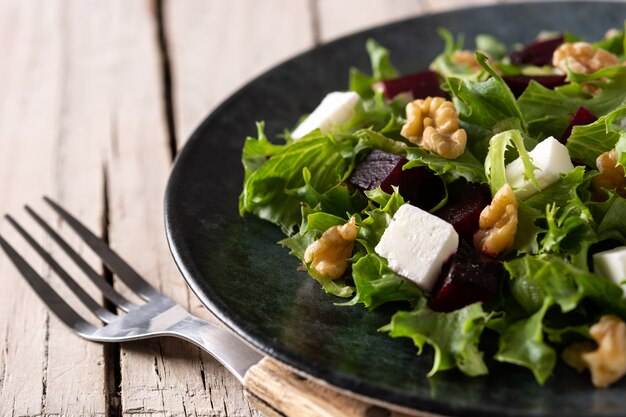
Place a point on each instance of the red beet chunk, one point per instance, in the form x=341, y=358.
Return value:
x=467, y=279
x=537, y=52
x=465, y=203
x=419, y=84
x=518, y=83
x=581, y=117
x=419, y=186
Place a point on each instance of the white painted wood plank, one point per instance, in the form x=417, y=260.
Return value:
x=45, y=368
x=338, y=18
x=217, y=46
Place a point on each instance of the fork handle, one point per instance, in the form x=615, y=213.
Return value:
x=270, y=385
x=279, y=392
x=220, y=343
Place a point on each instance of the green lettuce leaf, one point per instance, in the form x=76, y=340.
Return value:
x=377, y=140
x=257, y=150
x=587, y=142
x=446, y=66
x=535, y=278
x=374, y=113
x=609, y=216
x=527, y=235
x=377, y=218
x=521, y=343
x=569, y=223
x=271, y=191
x=548, y=111
x=336, y=287
x=337, y=200
x=376, y=284
x=491, y=46
x=465, y=166
x=382, y=69
x=454, y=336
x=485, y=108
x=495, y=162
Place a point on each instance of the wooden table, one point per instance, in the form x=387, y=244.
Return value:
x=96, y=97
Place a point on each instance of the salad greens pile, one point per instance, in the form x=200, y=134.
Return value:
x=550, y=295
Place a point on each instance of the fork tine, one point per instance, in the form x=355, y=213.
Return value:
x=115, y=263
x=59, y=307
x=103, y=314
x=106, y=289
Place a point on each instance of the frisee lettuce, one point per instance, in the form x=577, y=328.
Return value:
x=454, y=336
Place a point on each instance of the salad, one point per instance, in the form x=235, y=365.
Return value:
x=482, y=198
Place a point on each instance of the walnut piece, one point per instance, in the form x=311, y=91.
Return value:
x=466, y=57
x=497, y=223
x=329, y=254
x=433, y=124
x=607, y=363
x=611, y=176
x=573, y=354
x=582, y=58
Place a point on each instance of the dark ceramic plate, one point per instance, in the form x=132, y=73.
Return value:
x=239, y=272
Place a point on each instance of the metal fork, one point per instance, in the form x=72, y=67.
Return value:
x=159, y=316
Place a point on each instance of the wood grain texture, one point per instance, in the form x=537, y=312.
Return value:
x=46, y=370
x=217, y=46
x=161, y=377
x=279, y=392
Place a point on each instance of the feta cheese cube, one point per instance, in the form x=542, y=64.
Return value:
x=417, y=244
x=612, y=265
x=550, y=157
x=335, y=108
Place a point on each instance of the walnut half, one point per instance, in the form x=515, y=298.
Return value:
x=608, y=362
x=329, y=254
x=611, y=176
x=433, y=124
x=581, y=57
x=497, y=223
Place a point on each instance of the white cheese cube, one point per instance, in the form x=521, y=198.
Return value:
x=550, y=157
x=417, y=244
x=611, y=264
x=335, y=108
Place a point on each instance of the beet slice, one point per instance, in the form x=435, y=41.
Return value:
x=518, y=83
x=581, y=117
x=466, y=200
x=419, y=186
x=419, y=84
x=467, y=278
x=538, y=52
